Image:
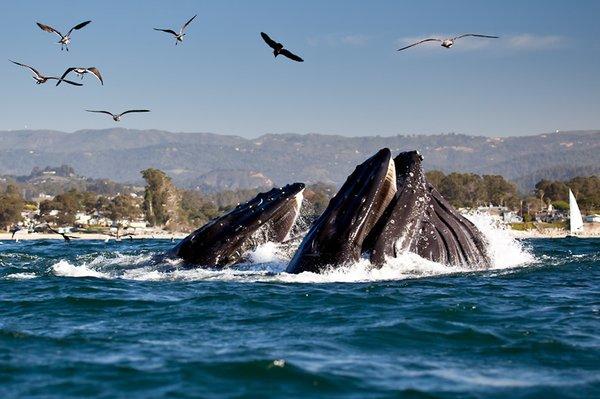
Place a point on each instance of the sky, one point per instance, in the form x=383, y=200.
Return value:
x=542, y=75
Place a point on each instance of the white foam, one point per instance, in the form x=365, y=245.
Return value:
x=269, y=261
x=504, y=249
x=404, y=267
x=66, y=269
x=264, y=253
x=20, y=276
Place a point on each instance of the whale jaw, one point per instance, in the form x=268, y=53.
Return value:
x=223, y=241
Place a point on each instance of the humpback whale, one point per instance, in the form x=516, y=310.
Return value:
x=385, y=208
x=337, y=235
x=370, y=216
x=223, y=241
x=420, y=220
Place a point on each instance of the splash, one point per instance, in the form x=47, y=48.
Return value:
x=267, y=263
x=20, y=276
x=267, y=252
x=503, y=248
x=66, y=269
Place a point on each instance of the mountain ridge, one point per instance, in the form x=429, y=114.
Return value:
x=120, y=154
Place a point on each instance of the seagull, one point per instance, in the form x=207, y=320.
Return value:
x=82, y=71
x=117, y=117
x=447, y=43
x=39, y=78
x=278, y=48
x=14, y=230
x=66, y=39
x=64, y=236
x=178, y=36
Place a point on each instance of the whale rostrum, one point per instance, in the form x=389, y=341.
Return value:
x=223, y=241
x=385, y=208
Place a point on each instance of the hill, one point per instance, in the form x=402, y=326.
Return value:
x=194, y=159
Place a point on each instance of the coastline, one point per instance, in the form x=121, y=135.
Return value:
x=593, y=232
x=588, y=232
x=89, y=236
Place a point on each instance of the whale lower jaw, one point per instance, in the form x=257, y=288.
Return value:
x=337, y=236
x=402, y=213
x=223, y=241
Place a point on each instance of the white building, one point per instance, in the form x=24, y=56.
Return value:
x=82, y=219
x=592, y=218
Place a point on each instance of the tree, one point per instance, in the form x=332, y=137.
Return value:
x=123, y=207
x=11, y=206
x=435, y=177
x=317, y=198
x=196, y=209
x=161, y=198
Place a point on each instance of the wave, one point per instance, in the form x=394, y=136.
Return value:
x=269, y=261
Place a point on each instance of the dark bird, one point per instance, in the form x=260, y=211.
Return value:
x=82, y=71
x=64, y=39
x=14, y=230
x=67, y=238
x=117, y=117
x=39, y=78
x=278, y=48
x=178, y=36
x=447, y=43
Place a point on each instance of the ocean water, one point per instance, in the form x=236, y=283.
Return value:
x=106, y=320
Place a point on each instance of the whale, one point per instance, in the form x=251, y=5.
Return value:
x=337, y=236
x=420, y=220
x=384, y=209
x=223, y=241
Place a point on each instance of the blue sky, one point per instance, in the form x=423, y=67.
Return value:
x=542, y=75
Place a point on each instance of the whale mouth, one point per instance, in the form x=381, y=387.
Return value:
x=223, y=241
x=384, y=209
x=337, y=236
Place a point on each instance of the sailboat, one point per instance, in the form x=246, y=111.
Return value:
x=575, y=219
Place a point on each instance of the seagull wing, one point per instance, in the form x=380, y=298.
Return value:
x=133, y=110
x=49, y=29
x=290, y=55
x=64, y=74
x=419, y=42
x=27, y=66
x=167, y=30
x=101, y=112
x=475, y=35
x=187, y=23
x=52, y=230
x=77, y=27
x=96, y=73
x=64, y=80
x=272, y=43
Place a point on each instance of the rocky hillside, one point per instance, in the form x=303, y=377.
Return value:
x=195, y=159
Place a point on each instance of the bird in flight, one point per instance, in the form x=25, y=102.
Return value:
x=82, y=71
x=64, y=39
x=117, y=117
x=64, y=236
x=447, y=43
x=178, y=36
x=14, y=230
x=278, y=48
x=39, y=78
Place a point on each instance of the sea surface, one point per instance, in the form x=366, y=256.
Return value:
x=101, y=319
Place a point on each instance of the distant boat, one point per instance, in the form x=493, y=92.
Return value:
x=576, y=221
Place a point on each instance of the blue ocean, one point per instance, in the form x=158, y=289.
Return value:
x=101, y=319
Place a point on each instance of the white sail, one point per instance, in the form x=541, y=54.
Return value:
x=574, y=214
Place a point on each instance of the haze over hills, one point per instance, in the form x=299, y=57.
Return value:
x=200, y=159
